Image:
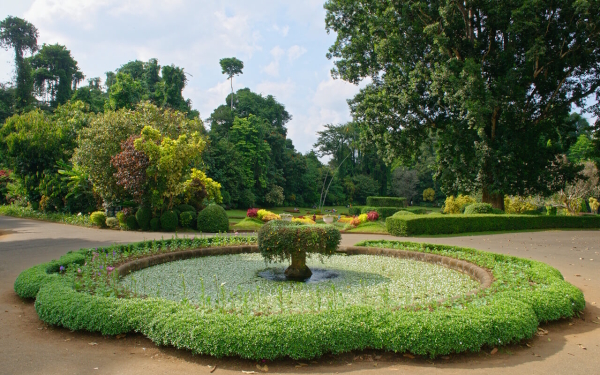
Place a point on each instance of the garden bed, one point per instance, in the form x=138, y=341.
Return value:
x=521, y=294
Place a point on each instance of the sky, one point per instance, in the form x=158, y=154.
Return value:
x=282, y=44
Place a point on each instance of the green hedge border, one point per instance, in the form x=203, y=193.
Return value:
x=386, y=202
x=453, y=224
x=523, y=294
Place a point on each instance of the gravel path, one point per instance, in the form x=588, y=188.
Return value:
x=27, y=346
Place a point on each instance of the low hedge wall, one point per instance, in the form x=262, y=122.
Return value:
x=522, y=294
x=453, y=224
x=383, y=212
x=386, y=202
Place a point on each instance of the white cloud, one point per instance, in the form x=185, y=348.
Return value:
x=282, y=30
x=280, y=90
x=273, y=68
x=294, y=52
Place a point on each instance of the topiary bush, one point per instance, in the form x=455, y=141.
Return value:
x=386, y=202
x=478, y=208
x=186, y=208
x=187, y=218
x=353, y=211
x=168, y=221
x=213, y=219
x=155, y=224
x=143, y=217
x=131, y=223
x=98, y=218
x=112, y=222
x=279, y=240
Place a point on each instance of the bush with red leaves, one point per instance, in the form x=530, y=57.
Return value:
x=373, y=216
x=131, y=167
x=252, y=212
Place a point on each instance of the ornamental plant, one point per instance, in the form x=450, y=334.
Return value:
x=279, y=240
x=429, y=195
x=455, y=205
x=594, y=205
x=252, y=212
x=373, y=216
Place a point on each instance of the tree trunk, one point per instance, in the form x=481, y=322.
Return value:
x=298, y=271
x=496, y=200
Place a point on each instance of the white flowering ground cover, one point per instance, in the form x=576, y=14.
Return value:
x=231, y=283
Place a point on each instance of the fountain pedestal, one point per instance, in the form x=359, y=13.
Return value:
x=298, y=271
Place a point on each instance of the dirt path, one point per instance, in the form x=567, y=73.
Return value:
x=27, y=346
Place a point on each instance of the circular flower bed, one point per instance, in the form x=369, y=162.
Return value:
x=81, y=291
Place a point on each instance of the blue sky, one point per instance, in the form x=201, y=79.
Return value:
x=282, y=44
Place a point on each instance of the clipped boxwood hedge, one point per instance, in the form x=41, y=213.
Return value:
x=213, y=219
x=479, y=208
x=386, y=202
x=452, y=224
x=523, y=294
x=354, y=211
x=383, y=212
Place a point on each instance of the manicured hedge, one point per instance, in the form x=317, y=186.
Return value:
x=452, y=224
x=143, y=217
x=523, y=294
x=213, y=219
x=169, y=221
x=278, y=239
x=383, y=212
x=354, y=211
x=386, y=202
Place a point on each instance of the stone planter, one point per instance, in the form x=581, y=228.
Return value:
x=286, y=217
x=328, y=219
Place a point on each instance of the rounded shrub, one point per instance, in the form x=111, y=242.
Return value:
x=213, y=219
x=155, y=224
x=479, y=208
x=121, y=217
x=131, y=223
x=143, y=217
x=403, y=213
x=98, y=218
x=187, y=218
x=168, y=221
x=112, y=222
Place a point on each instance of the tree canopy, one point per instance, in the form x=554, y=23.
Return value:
x=494, y=82
x=231, y=67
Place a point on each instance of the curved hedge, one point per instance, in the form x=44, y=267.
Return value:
x=523, y=294
x=278, y=239
x=453, y=224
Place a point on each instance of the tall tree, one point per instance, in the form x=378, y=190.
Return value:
x=494, y=82
x=22, y=36
x=56, y=73
x=232, y=67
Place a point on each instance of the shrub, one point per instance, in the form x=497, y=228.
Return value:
x=168, y=221
x=121, y=217
x=187, y=218
x=213, y=219
x=497, y=211
x=143, y=217
x=266, y=216
x=517, y=205
x=594, y=205
x=98, y=218
x=186, y=208
x=417, y=211
x=352, y=211
x=252, y=212
x=478, y=208
x=302, y=220
x=112, y=222
x=382, y=211
x=373, y=216
x=404, y=213
x=386, y=202
x=429, y=195
x=454, y=206
x=155, y=224
x=452, y=224
x=278, y=240
x=131, y=223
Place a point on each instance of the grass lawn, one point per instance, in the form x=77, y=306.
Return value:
x=247, y=224
x=369, y=227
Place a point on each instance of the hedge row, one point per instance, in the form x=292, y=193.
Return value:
x=383, y=212
x=523, y=294
x=452, y=224
x=386, y=202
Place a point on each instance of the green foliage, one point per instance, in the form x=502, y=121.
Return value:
x=131, y=223
x=429, y=195
x=112, y=222
x=382, y=211
x=155, y=224
x=478, y=208
x=278, y=239
x=186, y=208
x=143, y=217
x=57, y=217
x=524, y=294
x=403, y=213
x=499, y=73
x=353, y=211
x=98, y=218
x=213, y=219
x=169, y=221
x=386, y=202
x=453, y=224
x=187, y=218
